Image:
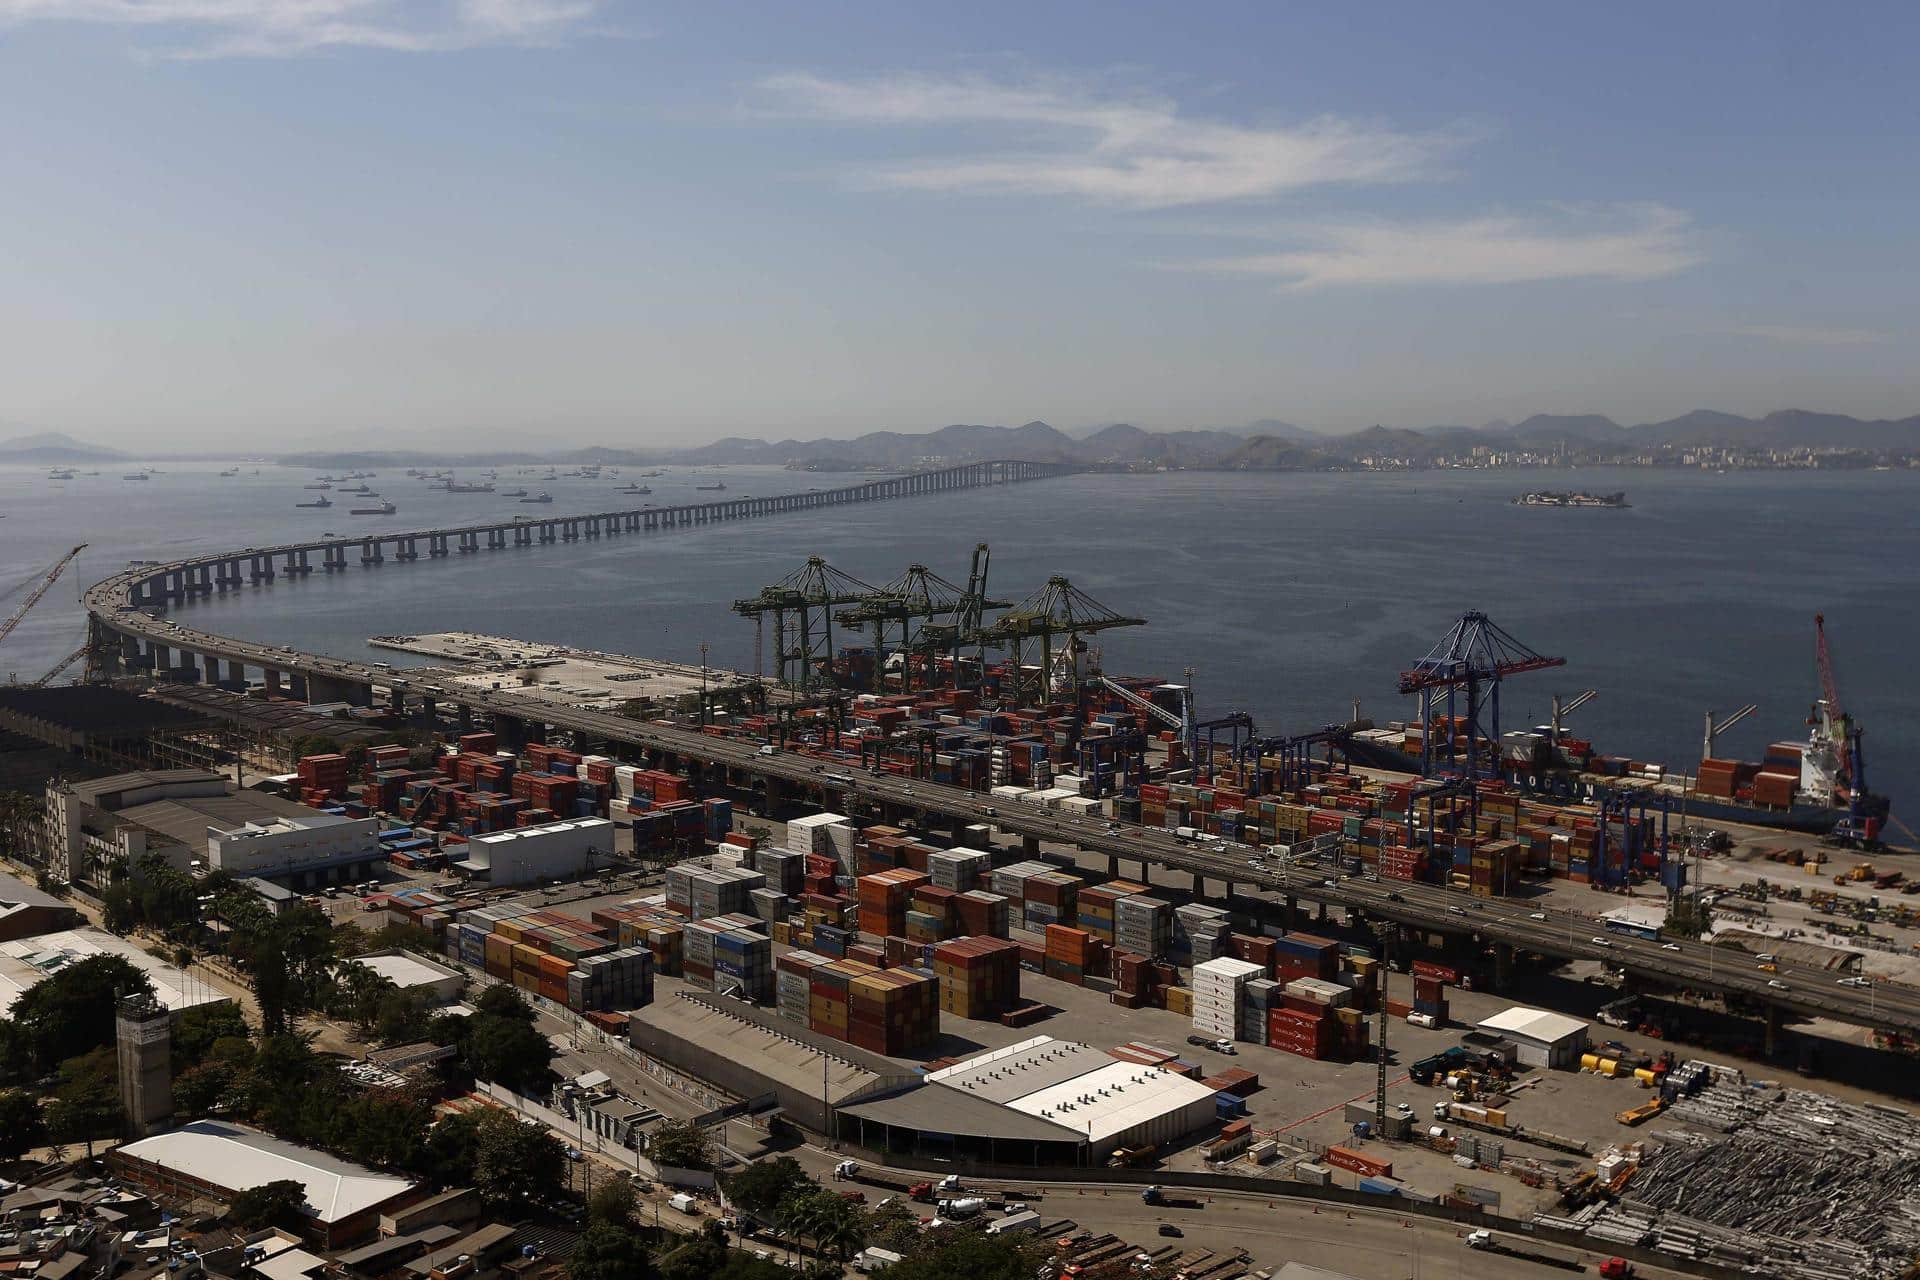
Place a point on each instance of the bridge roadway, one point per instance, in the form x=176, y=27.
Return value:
x=119, y=626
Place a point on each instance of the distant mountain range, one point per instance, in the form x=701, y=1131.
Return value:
x=1268, y=444
x=53, y=448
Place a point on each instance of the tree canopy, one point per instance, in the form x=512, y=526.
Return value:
x=271, y=1204
x=501, y=1043
x=680, y=1145
x=72, y=1011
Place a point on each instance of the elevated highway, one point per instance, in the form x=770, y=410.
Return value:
x=128, y=632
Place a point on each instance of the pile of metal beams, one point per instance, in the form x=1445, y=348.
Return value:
x=1779, y=1181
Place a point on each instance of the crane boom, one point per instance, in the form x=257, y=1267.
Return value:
x=62, y=665
x=33, y=597
x=1830, y=691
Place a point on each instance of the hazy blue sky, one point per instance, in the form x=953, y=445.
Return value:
x=252, y=221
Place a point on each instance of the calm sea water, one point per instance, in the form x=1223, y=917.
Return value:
x=1289, y=595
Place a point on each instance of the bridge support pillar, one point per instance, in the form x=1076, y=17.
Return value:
x=1773, y=1030
x=1502, y=965
x=430, y=711
x=1113, y=866
x=272, y=679
x=1292, y=906
x=510, y=730
x=297, y=686
x=332, y=689
x=1199, y=887
x=466, y=718
x=1030, y=845
x=1320, y=913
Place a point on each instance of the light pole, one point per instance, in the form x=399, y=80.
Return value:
x=703, y=683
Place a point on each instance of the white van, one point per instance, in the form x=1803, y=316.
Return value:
x=684, y=1203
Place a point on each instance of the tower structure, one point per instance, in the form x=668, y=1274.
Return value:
x=143, y=1036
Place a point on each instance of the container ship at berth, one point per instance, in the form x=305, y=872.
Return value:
x=1815, y=786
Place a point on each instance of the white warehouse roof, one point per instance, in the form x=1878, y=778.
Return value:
x=1003, y=1075
x=1114, y=1100
x=405, y=971
x=236, y=1158
x=26, y=962
x=1534, y=1024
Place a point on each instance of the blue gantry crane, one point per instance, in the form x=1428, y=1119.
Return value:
x=1467, y=666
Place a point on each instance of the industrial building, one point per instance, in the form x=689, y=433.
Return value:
x=1543, y=1039
x=26, y=911
x=189, y=817
x=26, y=962
x=753, y=1053
x=1042, y=1101
x=528, y=855
x=415, y=975
x=215, y=1160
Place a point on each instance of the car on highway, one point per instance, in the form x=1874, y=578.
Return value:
x=1456, y=911
x=1536, y=915
x=1599, y=941
x=1168, y=1229
x=1778, y=985
x=1331, y=884
x=1669, y=946
x=1855, y=982
x=1395, y=897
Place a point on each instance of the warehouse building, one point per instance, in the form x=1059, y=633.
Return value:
x=214, y=1160
x=414, y=975
x=1041, y=1101
x=27, y=962
x=198, y=821
x=26, y=912
x=751, y=1053
x=549, y=851
x=1543, y=1039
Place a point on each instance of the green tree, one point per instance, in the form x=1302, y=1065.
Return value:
x=509, y=1161
x=611, y=1251
x=271, y=1204
x=970, y=1255
x=197, y=1030
x=117, y=910
x=22, y=1128
x=72, y=1012
x=86, y=1102
x=202, y=1089
x=836, y=1226
x=705, y=1259
x=1687, y=916
x=504, y=1046
x=680, y=1145
x=164, y=896
x=895, y=1226
x=613, y=1201
x=763, y=1186
x=289, y=956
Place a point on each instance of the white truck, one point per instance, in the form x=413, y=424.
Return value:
x=962, y=1209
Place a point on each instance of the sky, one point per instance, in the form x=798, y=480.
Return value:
x=283, y=223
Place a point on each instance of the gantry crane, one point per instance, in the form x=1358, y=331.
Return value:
x=1562, y=708
x=802, y=605
x=1059, y=611
x=923, y=596
x=1836, y=756
x=967, y=628
x=1471, y=660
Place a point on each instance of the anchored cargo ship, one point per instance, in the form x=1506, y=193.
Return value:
x=1563, y=498
x=321, y=502
x=384, y=509
x=542, y=496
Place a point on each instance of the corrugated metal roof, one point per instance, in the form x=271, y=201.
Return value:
x=236, y=1158
x=938, y=1109
x=1119, y=1097
x=1020, y=1069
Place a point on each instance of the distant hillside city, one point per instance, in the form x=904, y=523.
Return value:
x=1704, y=438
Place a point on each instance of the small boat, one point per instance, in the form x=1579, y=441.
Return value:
x=230, y=471
x=60, y=473
x=635, y=488
x=305, y=486
x=136, y=475
x=542, y=496
x=513, y=493
x=709, y=488
x=384, y=509
x=319, y=503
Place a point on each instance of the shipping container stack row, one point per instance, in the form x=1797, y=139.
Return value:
x=979, y=977
x=613, y=980
x=661, y=932
x=700, y=891
x=884, y=899
x=886, y=1011
x=1219, y=989
x=1199, y=933
x=729, y=955
x=1074, y=955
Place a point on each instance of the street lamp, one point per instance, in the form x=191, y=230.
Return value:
x=703, y=683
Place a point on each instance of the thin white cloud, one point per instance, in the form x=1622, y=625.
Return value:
x=1138, y=151
x=278, y=28
x=1813, y=335
x=1641, y=243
